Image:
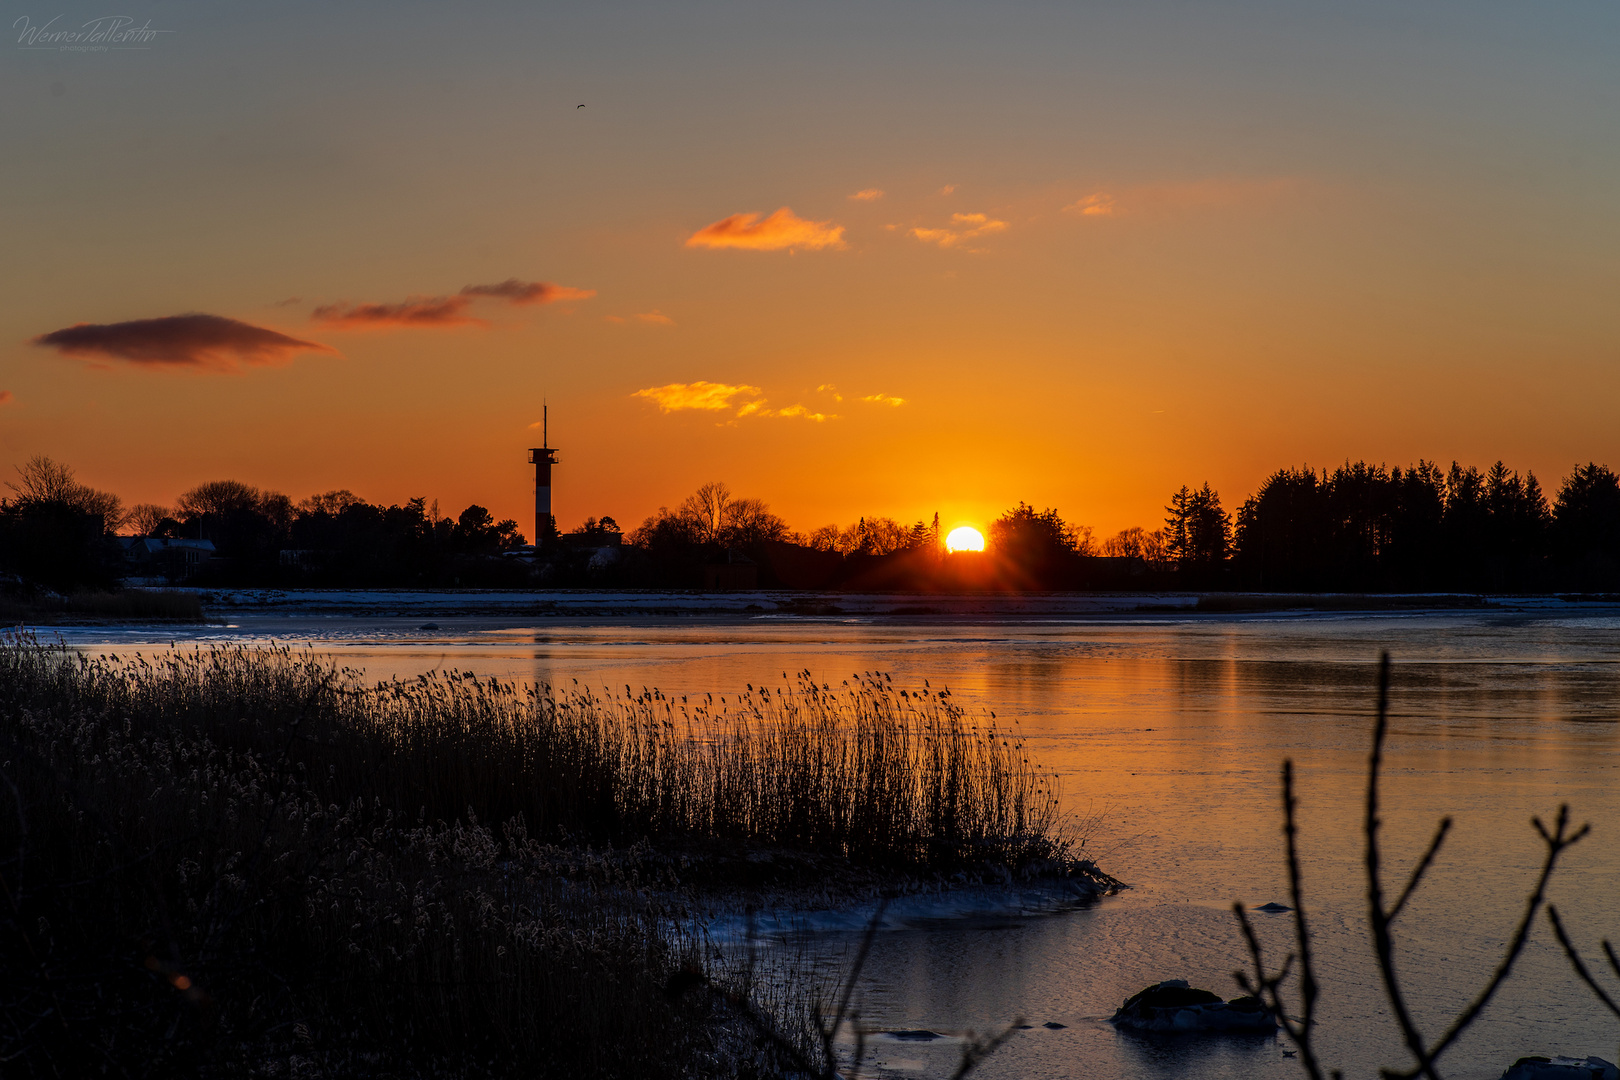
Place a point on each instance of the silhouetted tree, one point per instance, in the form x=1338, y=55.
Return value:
x=57, y=532
x=1587, y=527
x=1198, y=531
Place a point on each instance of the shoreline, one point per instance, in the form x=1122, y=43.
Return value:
x=899, y=608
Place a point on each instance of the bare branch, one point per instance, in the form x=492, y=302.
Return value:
x=1575, y=960
x=1422, y=867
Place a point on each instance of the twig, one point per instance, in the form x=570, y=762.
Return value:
x=1268, y=988
x=1380, y=918
x=1580, y=967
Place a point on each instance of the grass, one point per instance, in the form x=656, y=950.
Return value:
x=246, y=862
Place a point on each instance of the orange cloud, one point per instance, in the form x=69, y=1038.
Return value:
x=1100, y=204
x=532, y=293
x=709, y=396
x=5, y=397
x=415, y=311
x=655, y=318
x=211, y=342
x=884, y=399
x=1209, y=193
x=870, y=194
x=963, y=227
x=783, y=229
x=800, y=410
x=720, y=397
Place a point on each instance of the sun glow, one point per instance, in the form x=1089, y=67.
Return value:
x=964, y=538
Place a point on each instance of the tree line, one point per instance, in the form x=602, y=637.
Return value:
x=1359, y=527
x=1363, y=527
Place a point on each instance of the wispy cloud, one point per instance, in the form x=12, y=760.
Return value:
x=709, y=396
x=5, y=397
x=209, y=342
x=800, y=410
x=781, y=230
x=829, y=388
x=724, y=397
x=528, y=293
x=947, y=189
x=1097, y=204
x=962, y=227
x=1206, y=194
x=414, y=312
x=870, y=194
x=417, y=312
x=649, y=318
x=884, y=399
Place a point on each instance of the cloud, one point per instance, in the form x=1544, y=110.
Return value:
x=196, y=340
x=800, y=410
x=963, y=227
x=783, y=229
x=884, y=399
x=441, y=311
x=5, y=397
x=532, y=293
x=415, y=311
x=870, y=194
x=1205, y=194
x=650, y=318
x=289, y=302
x=947, y=189
x=721, y=397
x=829, y=388
x=709, y=396
x=1099, y=204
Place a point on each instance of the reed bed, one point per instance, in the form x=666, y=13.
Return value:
x=245, y=861
x=864, y=771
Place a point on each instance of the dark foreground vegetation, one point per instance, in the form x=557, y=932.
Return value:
x=243, y=862
x=1424, y=1043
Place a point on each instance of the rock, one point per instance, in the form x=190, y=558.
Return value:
x=428, y=626
x=1274, y=908
x=1054, y=1025
x=1172, y=1005
x=1561, y=1068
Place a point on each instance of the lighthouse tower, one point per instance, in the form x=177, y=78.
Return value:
x=543, y=458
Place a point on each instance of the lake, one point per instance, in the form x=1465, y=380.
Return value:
x=1168, y=727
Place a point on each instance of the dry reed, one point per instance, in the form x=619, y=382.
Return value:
x=246, y=862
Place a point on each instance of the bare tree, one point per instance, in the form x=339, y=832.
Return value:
x=219, y=497
x=144, y=518
x=42, y=481
x=706, y=509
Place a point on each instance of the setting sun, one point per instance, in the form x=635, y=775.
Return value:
x=964, y=538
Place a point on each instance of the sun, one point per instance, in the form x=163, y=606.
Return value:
x=964, y=538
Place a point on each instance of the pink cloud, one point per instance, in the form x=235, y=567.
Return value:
x=196, y=340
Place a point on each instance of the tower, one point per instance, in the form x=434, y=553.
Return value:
x=543, y=458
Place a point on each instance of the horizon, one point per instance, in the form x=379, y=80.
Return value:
x=933, y=259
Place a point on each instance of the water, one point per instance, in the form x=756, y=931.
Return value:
x=1172, y=727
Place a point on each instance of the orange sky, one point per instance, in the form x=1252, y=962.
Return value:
x=853, y=260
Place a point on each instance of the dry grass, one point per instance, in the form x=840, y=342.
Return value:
x=244, y=862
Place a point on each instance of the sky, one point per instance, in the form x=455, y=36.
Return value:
x=852, y=259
